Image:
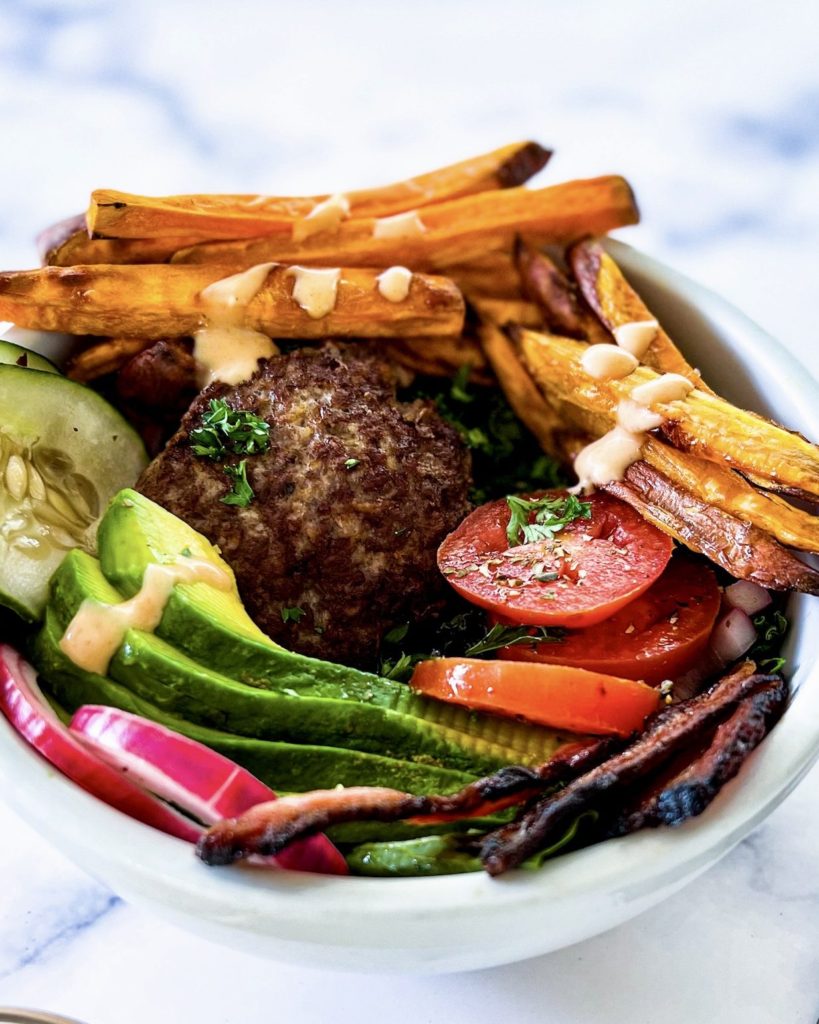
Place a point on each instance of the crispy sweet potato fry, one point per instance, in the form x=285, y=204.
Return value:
x=491, y=276
x=115, y=214
x=520, y=390
x=77, y=249
x=446, y=233
x=616, y=303
x=104, y=357
x=740, y=547
x=159, y=301
x=564, y=311
x=707, y=480
x=702, y=423
x=440, y=357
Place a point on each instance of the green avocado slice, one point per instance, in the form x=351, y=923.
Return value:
x=285, y=767
x=152, y=670
x=213, y=629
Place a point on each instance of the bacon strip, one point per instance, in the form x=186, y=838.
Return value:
x=691, y=790
x=667, y=732
x=268, y=828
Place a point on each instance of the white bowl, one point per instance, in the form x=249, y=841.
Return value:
x=464, y=922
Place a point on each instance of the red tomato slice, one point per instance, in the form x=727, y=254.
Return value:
x=553, y=695
x=659, y=635
x=601, y=564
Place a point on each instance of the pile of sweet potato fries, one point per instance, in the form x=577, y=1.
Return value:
x=508, y=279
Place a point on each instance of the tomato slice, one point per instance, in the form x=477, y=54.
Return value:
x=659, y=635
x=587, y=572
x=554, y=695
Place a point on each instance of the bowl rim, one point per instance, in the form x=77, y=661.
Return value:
x=108, y=843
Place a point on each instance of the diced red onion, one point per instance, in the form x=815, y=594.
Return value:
x=748, y=597
x=733, y=635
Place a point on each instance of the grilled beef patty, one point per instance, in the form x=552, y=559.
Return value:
x=352, y=545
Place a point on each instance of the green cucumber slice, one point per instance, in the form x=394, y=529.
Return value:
x=64, y=453
x=16, y=355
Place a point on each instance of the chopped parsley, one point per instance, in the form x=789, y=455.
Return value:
x=241, y=492
x=506, y=458
x=294, y=614
x=225, y=431
x=512, y=636
x=352, y=463
x=464, y=634
x=551, y=515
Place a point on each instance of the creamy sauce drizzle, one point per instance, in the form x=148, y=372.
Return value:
x=224, y=349
x=670, y=387
x=315, y=290
x=325, y=216
x=97, y=630
x=401, y=225
x=394, y=283
x=636, y=337
x=608, y=362
x=637, y=418
x=608, y=458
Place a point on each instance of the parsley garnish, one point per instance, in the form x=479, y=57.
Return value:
x=241, y=493
x=401, y=668
x=512, y=636
x=225, y=431
x=294, y=614
x=551, y=515
x=351, y=463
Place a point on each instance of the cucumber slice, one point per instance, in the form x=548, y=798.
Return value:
x=64, y=453
x=16, y=355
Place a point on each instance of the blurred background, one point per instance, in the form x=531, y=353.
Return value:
x=709, y=107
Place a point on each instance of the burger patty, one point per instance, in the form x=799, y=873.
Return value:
x=352, y=499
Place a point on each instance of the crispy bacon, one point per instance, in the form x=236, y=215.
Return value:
x=272, y=826
x=667, y=732
x=746, y=551
x=687, y=793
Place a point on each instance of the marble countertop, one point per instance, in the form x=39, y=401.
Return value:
x=712, y=112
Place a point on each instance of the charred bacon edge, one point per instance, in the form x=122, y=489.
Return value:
x=691, y=790
x=268, y=828
x=666, y=732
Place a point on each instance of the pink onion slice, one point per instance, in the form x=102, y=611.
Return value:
x=747, y=596
x=24, y=705
x=733, y=635
x=199, y=780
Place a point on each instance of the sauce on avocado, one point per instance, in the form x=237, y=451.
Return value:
x=97, y=630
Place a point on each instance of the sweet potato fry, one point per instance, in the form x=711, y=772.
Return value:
x=160, y=301
x=440, y=356
x=740, y=547
x=543, y=283
x=207, y=217
x=446, y=233
x=702, y=423
x=77, y=249
x=709, y=481
x=491, y=276
x=104, y=357
x=616, y=303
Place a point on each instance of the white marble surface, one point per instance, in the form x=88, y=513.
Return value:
x=712, y=110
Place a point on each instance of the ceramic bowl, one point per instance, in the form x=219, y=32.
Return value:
x=464, y=922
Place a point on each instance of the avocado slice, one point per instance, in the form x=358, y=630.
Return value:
x=152, y=670
x=285, y=767
x=213, y=629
